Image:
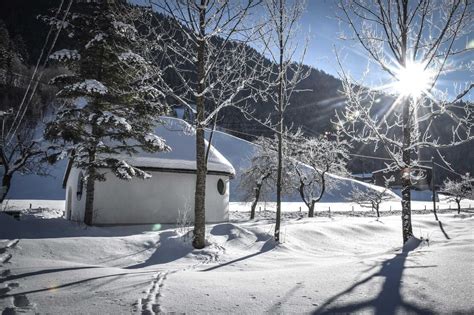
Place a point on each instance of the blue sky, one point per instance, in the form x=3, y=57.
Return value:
x=319, y=21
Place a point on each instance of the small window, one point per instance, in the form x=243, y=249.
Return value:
x=80, y=185
x=221, y=187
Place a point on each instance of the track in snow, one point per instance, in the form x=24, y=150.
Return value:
x=150, y=304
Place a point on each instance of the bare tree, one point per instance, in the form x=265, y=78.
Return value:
x=282, y=24
x=313, y=158
x=259, y=177
x=22, y=150
x=412, y=43
x=201, y=44
x=458, y=190
x=371, y=198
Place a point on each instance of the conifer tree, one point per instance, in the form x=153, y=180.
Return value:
x=110, y=108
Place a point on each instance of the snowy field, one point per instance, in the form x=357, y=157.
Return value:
x=443, y=204
x=324, y=265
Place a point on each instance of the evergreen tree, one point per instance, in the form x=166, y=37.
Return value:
x=107, y=70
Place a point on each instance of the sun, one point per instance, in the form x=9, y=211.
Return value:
x=413, y=80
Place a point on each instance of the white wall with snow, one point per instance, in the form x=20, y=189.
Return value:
x=159, y=199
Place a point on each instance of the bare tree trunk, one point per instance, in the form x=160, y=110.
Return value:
x=255, y=201
x=312, y=203
x=199, y=240
x=433, y=188
x=311, y=209
x=406, y=177
x=6, y=183
x=90, y=188
x=280, y=127
x=459, y=206
x=303, y=197
x=377, y=209
x=406, y=172
x=323, y=186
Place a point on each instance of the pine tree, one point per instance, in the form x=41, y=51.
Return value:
x=121, y=108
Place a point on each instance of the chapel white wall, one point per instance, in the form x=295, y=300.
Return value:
x=156, y=200
x=77, y=206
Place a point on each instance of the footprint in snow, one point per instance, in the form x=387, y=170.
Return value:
x=9, y=311
x=21, y=301
x=4, y=290
x=5, y=273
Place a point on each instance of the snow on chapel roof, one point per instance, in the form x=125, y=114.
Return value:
x=180, y=136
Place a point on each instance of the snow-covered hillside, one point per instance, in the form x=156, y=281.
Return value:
x=234, y=149
x=324, y=265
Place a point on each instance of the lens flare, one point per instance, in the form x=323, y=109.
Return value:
x=156, y=227
x=413, y=80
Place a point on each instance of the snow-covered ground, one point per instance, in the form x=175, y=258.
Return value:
x=324, y=265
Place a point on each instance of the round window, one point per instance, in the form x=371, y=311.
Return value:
x=80, y=182
x=221, y=187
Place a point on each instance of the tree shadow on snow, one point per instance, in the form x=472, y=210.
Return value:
x=42, y=272
x=115, y=276
x=170, y=247
x=30, y=227
x=442, y=230
x=389, y=300
x=224, y=229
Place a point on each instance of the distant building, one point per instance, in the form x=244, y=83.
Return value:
x=420, y=177
x=364, y=177
x=185, y=113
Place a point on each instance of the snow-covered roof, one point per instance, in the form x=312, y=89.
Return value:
x=180, y=136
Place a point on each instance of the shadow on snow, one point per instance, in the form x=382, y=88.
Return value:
x=389, y=300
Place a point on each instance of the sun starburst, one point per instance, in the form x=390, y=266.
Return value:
x=414, y=80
